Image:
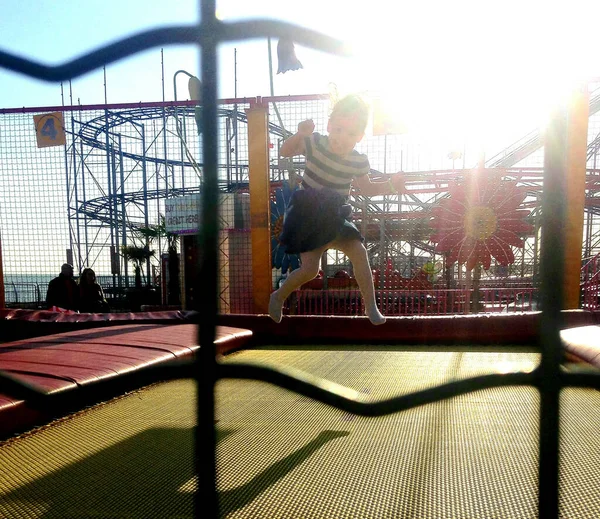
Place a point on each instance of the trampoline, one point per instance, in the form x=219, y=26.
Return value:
x=283, y=455
x=464, y=448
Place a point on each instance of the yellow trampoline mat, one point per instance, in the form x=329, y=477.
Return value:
x=281, y=455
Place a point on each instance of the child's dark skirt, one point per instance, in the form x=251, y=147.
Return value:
x=316, y=217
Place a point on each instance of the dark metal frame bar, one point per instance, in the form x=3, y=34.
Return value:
x=548, y=377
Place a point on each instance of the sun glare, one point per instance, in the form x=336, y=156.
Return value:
x=463, y=71
x=475, y=81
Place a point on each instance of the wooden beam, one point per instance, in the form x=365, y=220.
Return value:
x=577, y=131
x=260, y=214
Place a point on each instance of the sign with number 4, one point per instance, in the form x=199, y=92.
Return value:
x=49, y=129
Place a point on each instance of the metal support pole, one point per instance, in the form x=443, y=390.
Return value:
x=76, y=195
x=67, y=176
x=115, y=193
x=67, y=181
x=183, y=126
x=123, y=211
x=206, y=503
x=109, y=193
x=235, y=122
x=552, y=265
x=84, y=200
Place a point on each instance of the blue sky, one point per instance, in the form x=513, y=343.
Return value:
x=477, y=72
x=52, y=32
x=457, y=66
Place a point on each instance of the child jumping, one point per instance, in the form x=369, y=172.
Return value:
x=317, y=218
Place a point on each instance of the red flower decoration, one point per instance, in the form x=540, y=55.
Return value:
x=480, y=219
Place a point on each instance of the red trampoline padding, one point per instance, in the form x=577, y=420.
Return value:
x=77, y=374
x=19, y=314
x=18, y=324
x=71, y=360
x=6, y=402
x=520, y=328
x=51, y=384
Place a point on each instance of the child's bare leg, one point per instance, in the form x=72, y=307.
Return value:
x=357, y=254
x=309, y=269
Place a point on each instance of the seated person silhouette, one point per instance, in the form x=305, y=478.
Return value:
x=63, y=291
x=91, y=295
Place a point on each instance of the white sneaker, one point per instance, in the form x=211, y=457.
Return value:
x=376, y=317
x=275, y=308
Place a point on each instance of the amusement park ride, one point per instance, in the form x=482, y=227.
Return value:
x=454, y=416
x=151, y=155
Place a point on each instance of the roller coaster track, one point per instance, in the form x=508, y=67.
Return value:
x=534, y=141
x=99, y=209
x=93, y=133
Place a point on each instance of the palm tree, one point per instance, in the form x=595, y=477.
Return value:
x=137, y=255
x=154, y=232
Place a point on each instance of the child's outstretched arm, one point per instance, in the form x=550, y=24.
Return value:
x=295, y=144
x=392, y=186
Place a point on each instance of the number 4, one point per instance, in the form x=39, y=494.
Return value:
x=49, y=130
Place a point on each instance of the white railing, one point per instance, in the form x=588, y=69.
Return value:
x=413, y=302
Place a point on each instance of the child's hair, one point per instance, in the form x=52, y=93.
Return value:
x=352, y=105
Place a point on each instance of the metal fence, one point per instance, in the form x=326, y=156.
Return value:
x=548, y=377
x=121, y=166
